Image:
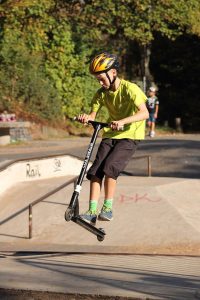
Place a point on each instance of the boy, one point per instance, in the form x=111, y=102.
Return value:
x=126, y=106
x=152, y=106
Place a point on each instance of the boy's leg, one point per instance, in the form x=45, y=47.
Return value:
x=153, y=126
x=115, y=163
x=95, y=175
x=95, y=189
x=109, y=188
x=152, y=129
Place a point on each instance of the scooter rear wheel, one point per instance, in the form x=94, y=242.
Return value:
x=100, y=238
x=69, y=214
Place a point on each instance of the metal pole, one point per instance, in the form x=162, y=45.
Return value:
x=144, y=84
x=149, y=166
x=30, y=221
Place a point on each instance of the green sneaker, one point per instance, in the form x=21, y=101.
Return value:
x=105, y=214
x=89, y=216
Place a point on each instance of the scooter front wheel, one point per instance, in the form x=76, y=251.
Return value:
x=69, y=214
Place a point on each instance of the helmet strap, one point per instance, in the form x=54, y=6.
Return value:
x=111, y=82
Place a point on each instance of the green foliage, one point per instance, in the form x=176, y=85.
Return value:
x=46, y=35
x=22, y=80
x=46, y=46
x=138, y=20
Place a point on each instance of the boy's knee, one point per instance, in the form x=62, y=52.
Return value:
x=94, y=178
x=112, y=171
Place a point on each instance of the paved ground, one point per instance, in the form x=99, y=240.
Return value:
x=140, y=277
x=152, y=215
x=81, y=269
x=172, y=156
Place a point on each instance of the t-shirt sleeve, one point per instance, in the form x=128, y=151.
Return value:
x=96, y=102
x=137, y=95
x=157, y=101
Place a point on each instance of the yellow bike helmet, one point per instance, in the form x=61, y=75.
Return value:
x=103, y=62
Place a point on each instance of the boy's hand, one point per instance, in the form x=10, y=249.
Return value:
x=117, y=125
x=83, y=118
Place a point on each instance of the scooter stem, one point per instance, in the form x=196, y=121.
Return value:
x=97, y=127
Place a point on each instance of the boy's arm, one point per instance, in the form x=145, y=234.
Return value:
x=142, y=114
x=95, y=106
x=156, y=111
x=84, y=118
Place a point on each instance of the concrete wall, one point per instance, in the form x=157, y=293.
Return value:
x=14, y=131
x=34, y=169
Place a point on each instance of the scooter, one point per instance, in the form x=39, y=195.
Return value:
x=72, y=212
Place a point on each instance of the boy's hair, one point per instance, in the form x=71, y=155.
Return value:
x=152, y=89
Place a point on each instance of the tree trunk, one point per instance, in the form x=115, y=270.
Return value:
x=145, y=52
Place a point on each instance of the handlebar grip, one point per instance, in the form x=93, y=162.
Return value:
x=121, y=128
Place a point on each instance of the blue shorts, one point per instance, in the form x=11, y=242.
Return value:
x=151, y=118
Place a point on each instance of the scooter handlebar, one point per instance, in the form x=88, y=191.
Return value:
x=102, y=124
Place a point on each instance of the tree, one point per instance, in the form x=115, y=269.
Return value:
x=23, y=81
x=44, y=33
x=133, y=20
x=56, y=40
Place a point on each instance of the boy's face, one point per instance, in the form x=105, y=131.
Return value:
x=103, y=79
x=151, y=94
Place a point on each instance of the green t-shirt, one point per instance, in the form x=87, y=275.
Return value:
x=122, y=103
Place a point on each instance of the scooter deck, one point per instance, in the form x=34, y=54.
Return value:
x=99, y=232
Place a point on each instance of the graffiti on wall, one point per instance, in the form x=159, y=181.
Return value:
x=32, y=171
x=57, y=165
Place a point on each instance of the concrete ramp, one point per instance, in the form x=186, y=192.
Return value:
x=151, y=215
